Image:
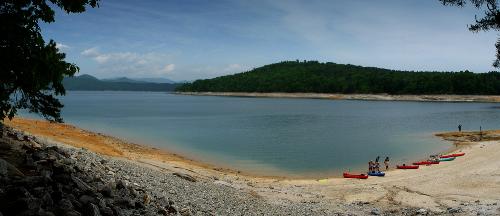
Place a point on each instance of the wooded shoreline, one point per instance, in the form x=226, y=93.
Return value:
x=374, y=97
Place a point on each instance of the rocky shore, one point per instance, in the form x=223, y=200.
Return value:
x=39, y=176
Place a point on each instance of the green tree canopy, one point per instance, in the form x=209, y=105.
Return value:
x=31, y=70
x=490, y=20
x=316, y=77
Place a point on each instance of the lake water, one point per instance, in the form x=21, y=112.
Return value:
x=277, y=136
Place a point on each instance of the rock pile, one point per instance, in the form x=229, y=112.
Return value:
x=48, y=180
x=37, y=177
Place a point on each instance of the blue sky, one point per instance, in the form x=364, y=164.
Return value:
x=192, y=39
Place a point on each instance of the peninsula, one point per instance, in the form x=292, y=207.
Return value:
x=313, y=77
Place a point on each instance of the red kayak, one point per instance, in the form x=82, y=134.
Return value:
x=407, y=167
x=452, y=155
x=360, y=176
x=426, y=162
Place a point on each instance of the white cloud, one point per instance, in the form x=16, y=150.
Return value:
x=130, y=64
x=90, y=52
x=62, y=46
x=168, y=68
x=102, y=58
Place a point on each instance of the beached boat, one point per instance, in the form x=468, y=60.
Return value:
x=379, y=174
x=426, y=162
x=407, y=166
x=447, y=159
x=360, y=176
x=453, y=155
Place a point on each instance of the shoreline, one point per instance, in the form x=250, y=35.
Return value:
x=69, y=135
x=66, y=134
x=367, y=97
x=470, y=184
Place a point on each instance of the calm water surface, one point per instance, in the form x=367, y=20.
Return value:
x=275, y=136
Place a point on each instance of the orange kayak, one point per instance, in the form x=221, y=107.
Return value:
x=452, y=155
x=360, y=176
x=407, y=167
x=426, y=162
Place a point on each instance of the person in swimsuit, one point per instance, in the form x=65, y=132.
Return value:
x=386, y=163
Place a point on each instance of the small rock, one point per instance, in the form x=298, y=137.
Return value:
x=92, y=210
x=8, y=169
x=172, y=209
x=47, y=199
x=125, y=202
x=139, y=205
x=82, y=185
x=106, y=211
x=106, y=190
x=122, y=184
x=102, y=203
x=72, y=213
x=146, y=199
x=375, y=211
x=185, y=177
x=185, y=212
x=65, y=205
x=161, y=211
x=133, y=192
x=85, y=199
x=454, y=210
x=44, y=213
x=421, y=211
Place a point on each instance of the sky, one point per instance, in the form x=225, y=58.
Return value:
x=196, y=39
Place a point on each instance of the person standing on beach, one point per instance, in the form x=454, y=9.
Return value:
x=386, y=163
x=370, y=166
x=459, y=128
x=480, y=132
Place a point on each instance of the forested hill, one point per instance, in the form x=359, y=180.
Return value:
x=315, y=77
x=89, y=83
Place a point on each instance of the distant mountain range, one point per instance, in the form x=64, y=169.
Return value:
x=87, y=82
x=140, y=80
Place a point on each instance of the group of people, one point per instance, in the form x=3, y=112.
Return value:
x=375, y=166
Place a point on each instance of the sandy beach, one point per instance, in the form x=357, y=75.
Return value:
x=375, y=97
x=467, y=185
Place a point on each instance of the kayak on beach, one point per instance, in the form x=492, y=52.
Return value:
x=453, y=155
x=360, y=176
x=426, y=162
x=447, y=159
x=407, y=166
x=379, y=174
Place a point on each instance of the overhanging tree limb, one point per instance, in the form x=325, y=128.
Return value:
x=490, y=21
x=31, y=70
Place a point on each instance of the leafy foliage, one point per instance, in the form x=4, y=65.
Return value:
x=31, y=70
x=312, y=76
x=490, y=21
